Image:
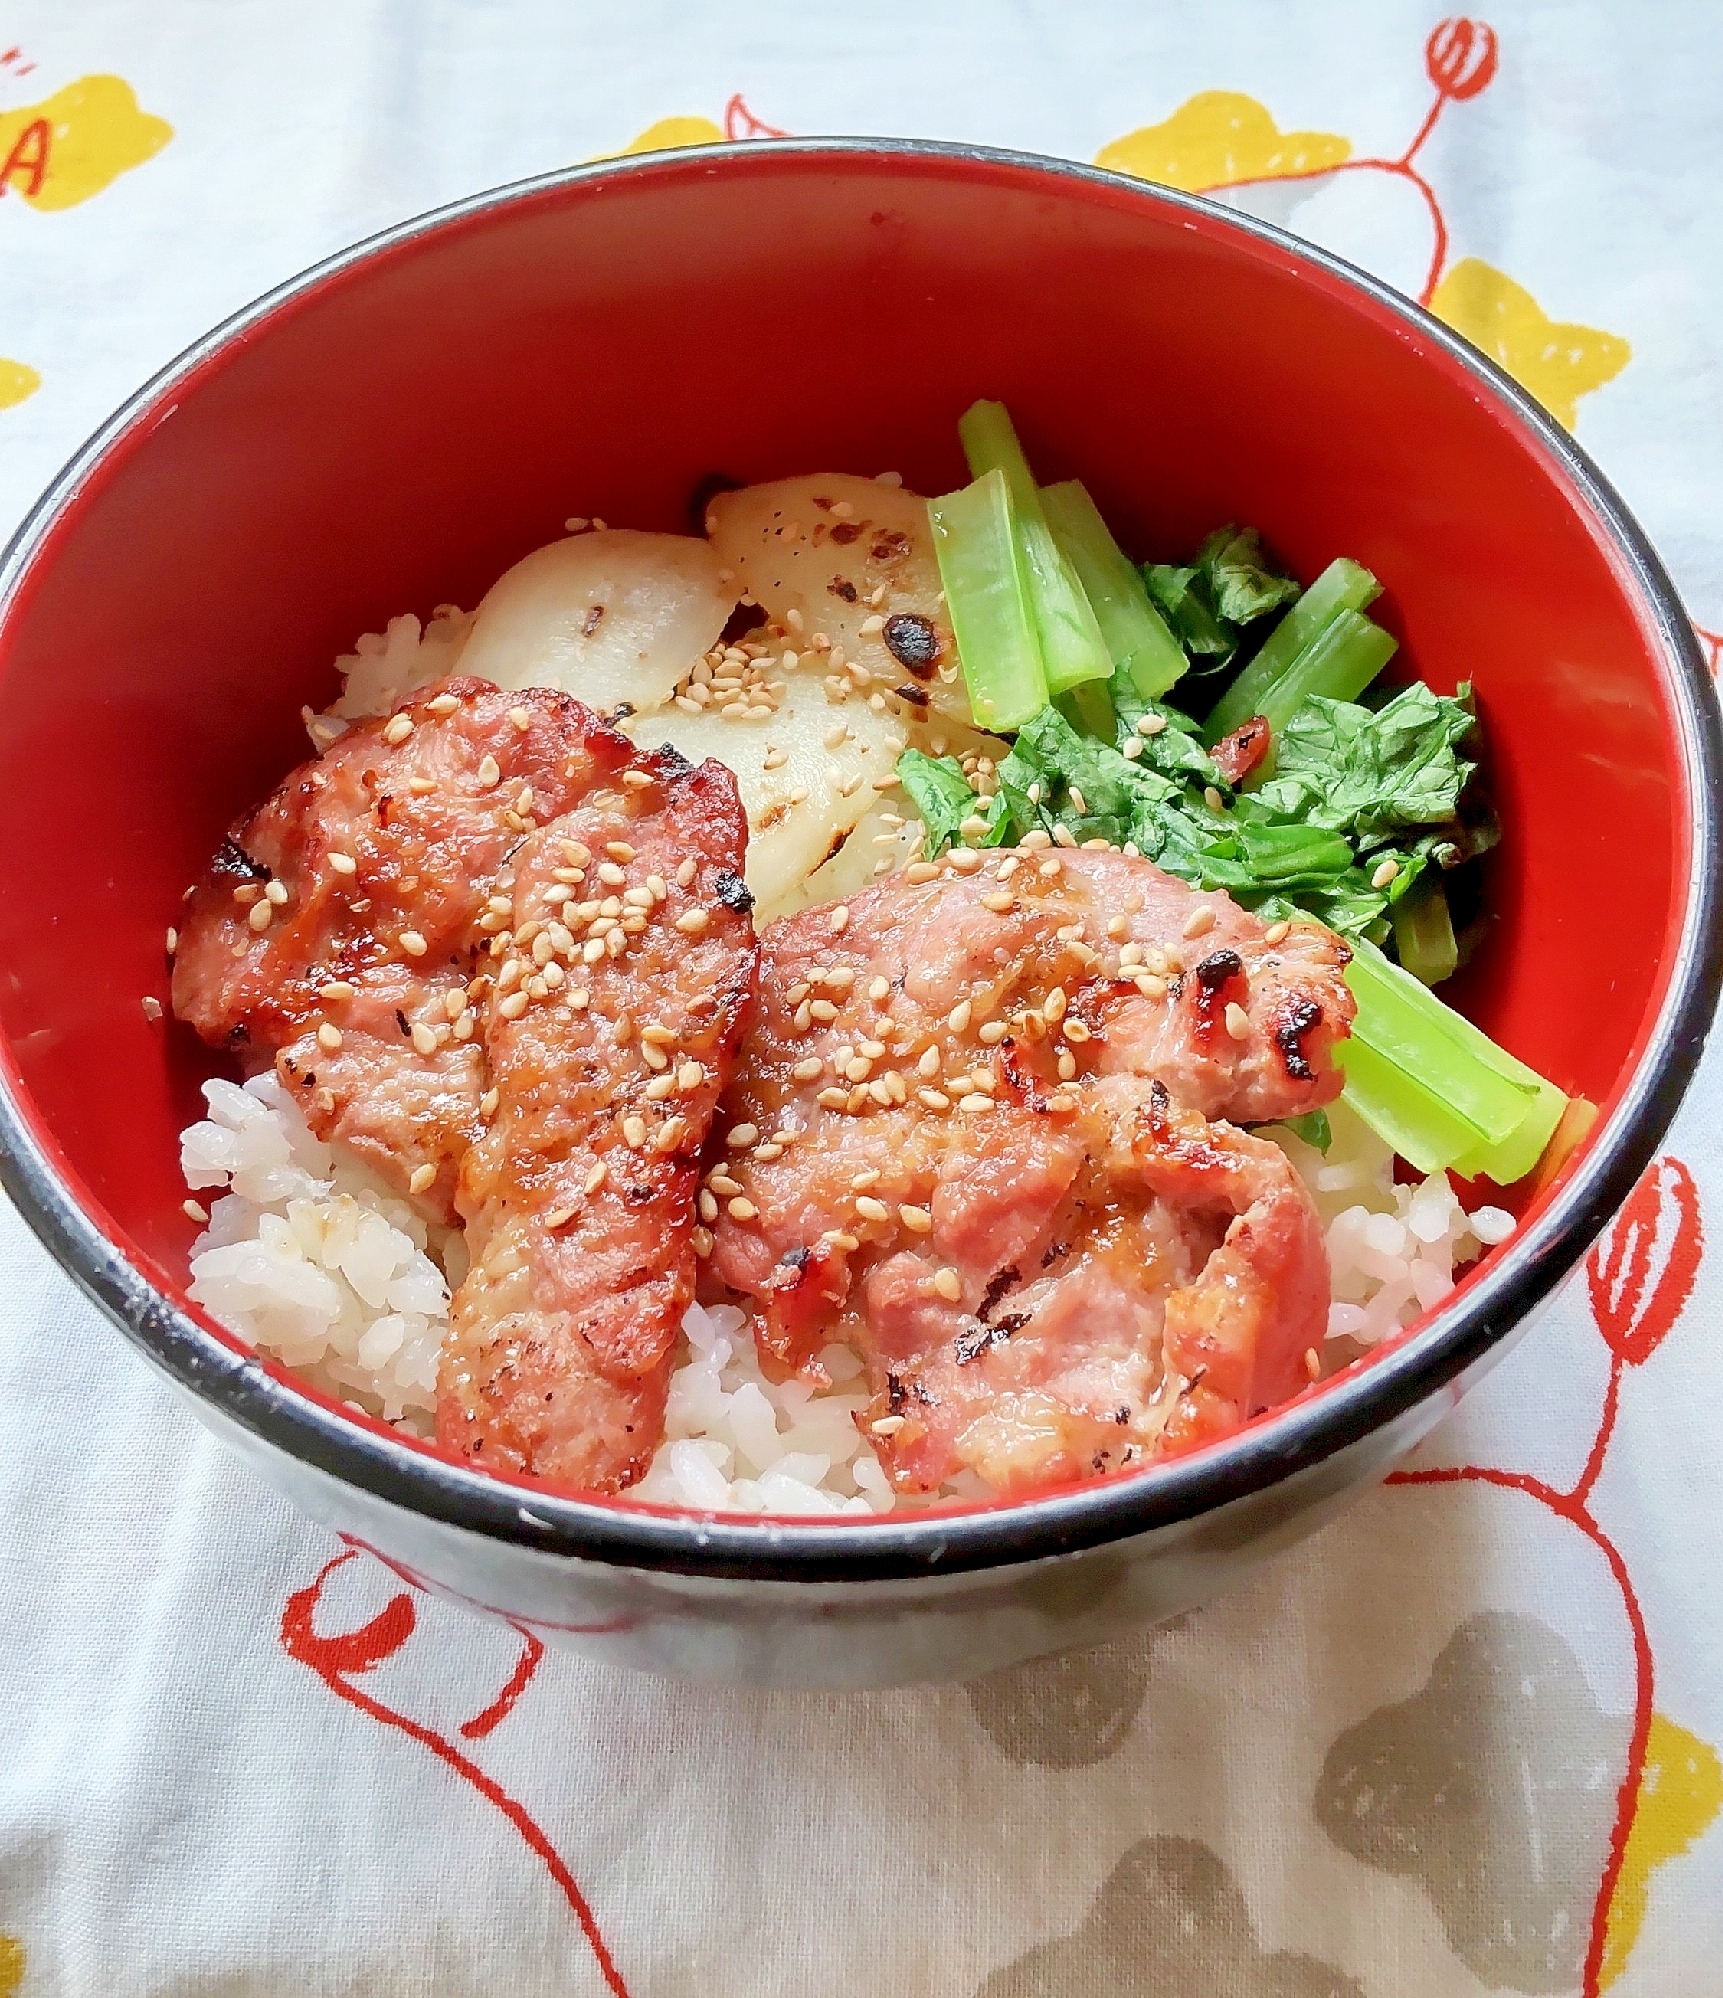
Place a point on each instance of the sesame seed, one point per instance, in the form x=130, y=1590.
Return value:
x=276, y=892
x=887, y=1425
x=1079, y=804
x=741, y=1209
x=822, y=1010
x=1000, y=901
x=636, y=780
x=397, y=729
x=444, y=704
x=412, y=943
x=809, y=1070
x=870, y=1209
x=1067, y=1064
x=1200, y=921
x=194, y=1211
x=1064, y=836
x=490, y=773
x=863, y=1180
x=803, y=1017
x=1151, y=724
x=948, y=1283
x=559, y=1217
x=960, y=1015
x=423, y=1177
x=916, y=1219
x=654, y=1056
x=965, y=860
x=1118, y=926
x=1132, y=749
x=488, y=1104
x=1277, y=933
x=152, y=1008
x=622, y=1030
x=839, y=920
x=592, y=950
x=833, y=1099
x=424, y=1038
x=1053, y=1006
x=1237, y=1021
x=692, y=921
x=993, y=1033
x=689, y=1077
x=522, y=718
x=670, y=1134
x=634, y=1132
x=919, y=871
x=708, y=1204
x=975, y=1101
x=741, y=1136
x=1077, y=1031
x=1384, y=873
x=702, y=1240
x=261, y=912
x=514, y=1005
x=1152, y=987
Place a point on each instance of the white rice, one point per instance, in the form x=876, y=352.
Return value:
x=311, y=1261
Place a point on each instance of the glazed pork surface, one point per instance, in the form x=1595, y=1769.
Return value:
x=985, y=1129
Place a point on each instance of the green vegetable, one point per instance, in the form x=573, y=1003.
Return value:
x=1434, y=1086
x=985, y=591
x=1337, y=664
x=1072, y=648
x=941, y=794
x=1313, y=1128
x=1371, y=773
x=1136, y=635
x=1241, y=585
x=1090, y=707
x=1424, y=934
x=1342, y=586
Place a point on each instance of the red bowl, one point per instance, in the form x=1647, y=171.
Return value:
x=394, y=428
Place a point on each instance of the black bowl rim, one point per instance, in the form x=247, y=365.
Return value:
x=1459, y=1339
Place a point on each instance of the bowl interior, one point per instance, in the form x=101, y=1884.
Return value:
x=393, y=436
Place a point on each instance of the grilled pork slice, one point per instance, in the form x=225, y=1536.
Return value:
x=431, y=965
x=618, y=1005
x=339, y=924
x=978, y=1133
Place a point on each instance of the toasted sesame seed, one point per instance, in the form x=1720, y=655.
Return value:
x=490, y=773
x=152, y=1008
x=423, y=1177
x=592, y=950
x=260, y=915
x=839, y=920
x=1200, y=921
x=921, y=870
x=741, y=1209
x=965, y=860
x=634, y=1132
x=869, y=625
x=522, y=718
x=1064, y=836
x=397, y=729
x=1385, y=872
x=444, y=704
x=809, y=1070
x=975, y=1100
x=741, y=1136
x=195, y=1211
x=916, y=1219
x=1132, y=748
x=1277, y=933
x=689, y=1077
x=412, y=943
x=622, y=1030
x=960, y=1015
x=803, y=1017
x=1067, y=1064
x=514, y=1005
x=692, y=921
x=670, y=1134
x=708, y=1204
x=424, y=1038
x=488, y=1104
x=993, y=1033
x=654, y=1056
x=1152, y=987
x=887, y=1425
x=1079, y=804
x=559, y=1217
x=636, y=780
x=702, y=1241
x=276, y=892
x=822, y=1010
x=870, y=1209
x=929, y=1061
x=999, y=901
x=1237, y=1021
x=863, y=1180
x=1076, y=1031
x=858, y=1068
x=833, y=1099
x=1151, y=724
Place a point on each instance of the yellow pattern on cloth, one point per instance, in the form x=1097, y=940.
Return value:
x=13, y=1964
x=668, y=132
x=1217, y=139
x=94, y=133
x=1557, y=362
x=1682, y=1792
x=17, y=381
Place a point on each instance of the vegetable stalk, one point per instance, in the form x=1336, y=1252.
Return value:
x=987, y=595
x=1343, y=586
x=1136, y=634
x=1072, y=648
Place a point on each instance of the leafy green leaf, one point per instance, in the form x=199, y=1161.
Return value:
x=941, y=794
x=1313, y=1128
x=1241, y=585
x=1368, y=773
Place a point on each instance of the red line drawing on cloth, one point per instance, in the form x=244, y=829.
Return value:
x=13, y=60
x=740, y=122
x=1713, y=644
x=1636, y=1297
x=337, y=1660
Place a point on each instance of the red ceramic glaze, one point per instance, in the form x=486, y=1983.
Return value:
x=394, y=431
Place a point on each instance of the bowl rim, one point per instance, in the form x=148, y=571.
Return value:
x=1458, y=1337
